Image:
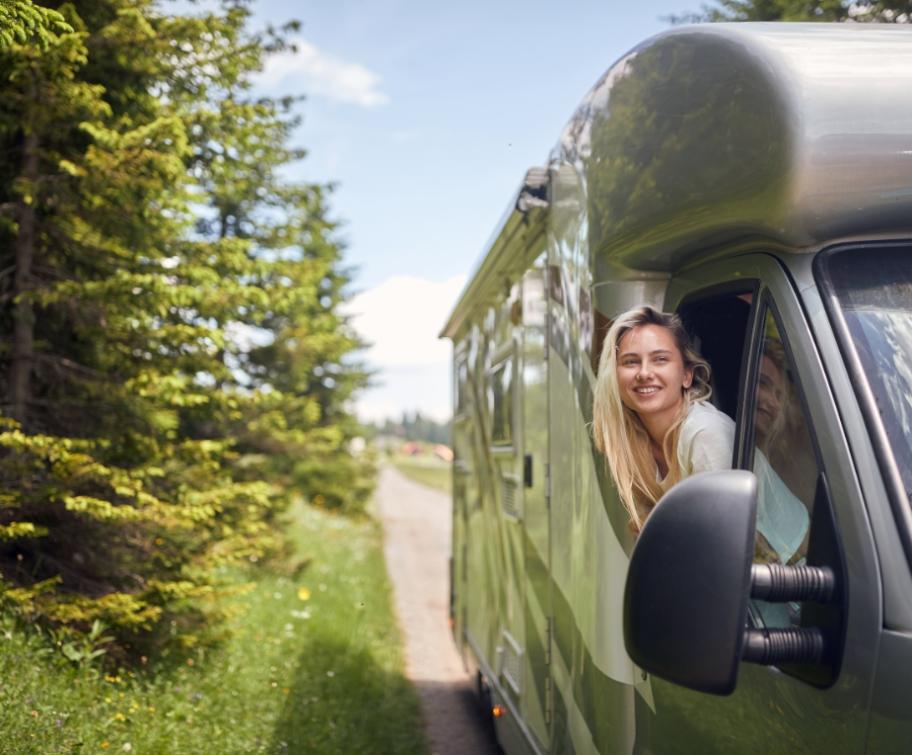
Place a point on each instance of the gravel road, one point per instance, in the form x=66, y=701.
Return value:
x=416, y=527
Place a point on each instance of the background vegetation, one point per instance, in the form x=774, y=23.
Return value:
x=173, y=364
x=312, y=664
x=413, y=426
x=425, y=468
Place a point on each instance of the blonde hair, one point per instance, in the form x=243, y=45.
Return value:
x=620, y=433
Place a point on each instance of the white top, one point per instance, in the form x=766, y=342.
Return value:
x=706, y=440
x=706, y=443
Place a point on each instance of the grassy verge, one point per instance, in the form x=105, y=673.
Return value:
x=313, y=664
x=427, y=470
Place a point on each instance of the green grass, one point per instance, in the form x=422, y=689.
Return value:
x=313, y=664
x=427, y=470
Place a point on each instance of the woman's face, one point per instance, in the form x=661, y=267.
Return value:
x=651, y=373
x=771, y=393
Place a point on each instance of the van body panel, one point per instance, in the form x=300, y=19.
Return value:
x=536, y=504
x=711, y=161
x=891, y=728
x=773, y=126
x=593, y=675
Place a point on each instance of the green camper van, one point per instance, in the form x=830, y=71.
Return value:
x=756, y=179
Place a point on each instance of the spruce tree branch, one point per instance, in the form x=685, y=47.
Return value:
x=61, y=364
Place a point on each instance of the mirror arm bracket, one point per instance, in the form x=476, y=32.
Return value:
x=773, y=647
x=776, y=583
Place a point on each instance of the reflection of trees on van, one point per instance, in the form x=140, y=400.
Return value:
x=887, y=337
x=688, y=127
x=874, y=292
x=799, y=10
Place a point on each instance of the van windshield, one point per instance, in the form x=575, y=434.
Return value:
x=872, y=288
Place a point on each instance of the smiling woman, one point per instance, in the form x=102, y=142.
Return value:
x=650, y=414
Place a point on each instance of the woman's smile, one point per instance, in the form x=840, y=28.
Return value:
x=651, y=375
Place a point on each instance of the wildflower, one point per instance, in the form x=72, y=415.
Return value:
x=189, y=661
x=119, y=716
x=105, y=745
x=34, y=714
x=127, y=747
x=304, y=593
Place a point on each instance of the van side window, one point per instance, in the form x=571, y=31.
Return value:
x=500, y=399
x=785, y=464
x=718, y=326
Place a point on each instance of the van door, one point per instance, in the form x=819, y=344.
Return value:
x=747, y=319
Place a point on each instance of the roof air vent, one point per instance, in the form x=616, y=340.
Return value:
x=534, y=192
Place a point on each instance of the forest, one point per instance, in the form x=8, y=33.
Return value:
x=174, y=366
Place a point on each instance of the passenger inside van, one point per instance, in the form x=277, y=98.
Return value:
x=655, y=425
x=651, y=417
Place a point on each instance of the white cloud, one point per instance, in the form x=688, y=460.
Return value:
x=320, y=74
x=395, y=390
x=402, y=318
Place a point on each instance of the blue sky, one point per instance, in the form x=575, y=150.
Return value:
x=426, y=116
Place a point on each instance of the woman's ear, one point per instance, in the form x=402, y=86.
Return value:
x=688, y=377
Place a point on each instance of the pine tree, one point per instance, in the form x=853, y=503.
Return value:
x=132, y=395
x=23, y=22
x=294, y=362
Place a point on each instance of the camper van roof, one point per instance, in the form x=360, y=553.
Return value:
x=794, y=135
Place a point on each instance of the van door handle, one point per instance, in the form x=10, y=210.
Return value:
x=527, y=470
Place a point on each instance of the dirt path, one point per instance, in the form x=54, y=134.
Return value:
x=416, y=526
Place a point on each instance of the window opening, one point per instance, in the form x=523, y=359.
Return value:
x=718, y=326
x=501, y=399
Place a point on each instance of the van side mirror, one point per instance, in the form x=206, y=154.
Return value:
x=689, y=580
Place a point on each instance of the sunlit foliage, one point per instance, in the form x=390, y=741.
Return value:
x=173, y=367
